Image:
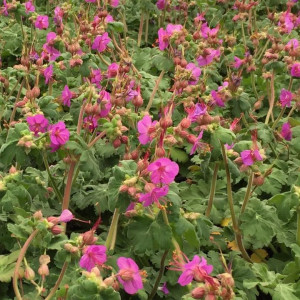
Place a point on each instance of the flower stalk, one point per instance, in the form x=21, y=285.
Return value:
x=212, y=190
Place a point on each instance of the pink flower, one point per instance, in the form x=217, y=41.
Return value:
x=50, y=52
x=58, y=15
x=217, y=98
x=100, y=42
x=129, y=275
x=154, y=195
x=295, y=70
x=66, y=216
x=105, y=104
x=198, y=110
x=93, y=255
x=197, y=269
x=285, y=98
x=37, y=123
x=59, y=135
x=286, y=131
x=112, y=70
x=161, y=4
x=109, y=19
x=172, y=28
x=163, y=170
x=66, y=96
x=164, y=289
x=292, y=44
x=48, y=73
x=96, y=77
x=237, y=62
x=163, y=39
x=41, y=22
x=146, y=129
x=197, y=143
x=51, y=36
x=29, y=7
x=113, y=3
x=90, y=123
x=196, y=72
x=207, y=32
x=249, y=157
x=208, y=57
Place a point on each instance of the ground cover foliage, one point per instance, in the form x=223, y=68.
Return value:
x=149, y=149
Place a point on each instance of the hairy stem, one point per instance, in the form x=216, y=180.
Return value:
x=272, y=98
x=212, y=190
x=19, y=261
x=248, y=192
x=67, y=193
x=57, y=283
x=236, y=229
x=96, y=139
x=155, y=90
x=141, y=29
x=160, y=274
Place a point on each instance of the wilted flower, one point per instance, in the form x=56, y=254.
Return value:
x=93, y=255
x=129, y=275
x=41, y=22
x=37, y=123
x=66, y=216
x=237, y=62
x=112, y=70
x=197, y=143
x=163, y=170
x=161, y=4
x=100, y=42
x=66, y=96
x=196, y=111
x=286, y=131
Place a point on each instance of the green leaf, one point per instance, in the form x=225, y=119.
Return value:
x=179, y=155
x=284, y=292
x=7, y=265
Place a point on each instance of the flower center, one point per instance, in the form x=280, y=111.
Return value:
x=126, y=275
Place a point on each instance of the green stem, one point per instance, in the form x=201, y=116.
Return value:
x=272, y=98
x=212, y=190
x=253, y=85
x=236, y=229
x=141, y=29
x=278, y=118
x=19, y=261
x=147, y=28
x=160, y=274
x=292, y=110
x=248, y=192
x=56, y=190
x=112, y=233
x=67, y=193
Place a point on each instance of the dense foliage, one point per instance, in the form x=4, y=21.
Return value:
x=149, y=149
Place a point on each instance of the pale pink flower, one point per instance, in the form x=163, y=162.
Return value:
x=29, y=7
x=146, y=129
x=66, y=216
x=163, y=170
x=42, y=22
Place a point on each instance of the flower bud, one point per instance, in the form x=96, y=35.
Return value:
x=88, y=237
x=117, y=143
x=44, y=259
x=258, y=180
x=198, y=293
x=137, y=101
x=29, y=273
x=43, y=270
x=185, y=123
x=56, y=230
x=160, y=152
x=38, y=215
x=12, y=170
x=123, y=188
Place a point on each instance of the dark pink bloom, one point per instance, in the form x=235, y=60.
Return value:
x=295, y=70
x=249, y=157
x=59, y=135
x=4, y=9
x=197, y=143
x=285, y=98
x=196, y=72
x=41, y=22
x=146, y=129
x=112, y=70
x=204, y=60
x=286, y=131
x=50, y=52
x=163, y=170
x=161, y=4
x=100, y=42
x=154, y=195
x=198, y=110
x=105, y=104
x=51, y=37
x=164, y=289
x=66, y=96
x=96, y=77
x=217, y=98
x=197, y=269
x=199, y=18
x=90, y=123
x=288, y=24
x=29, y=7
x=48, y=73
x=93, y=255
x=113, y=3
x=66, y=216
x=292, y=44
x=129, y=275
x=37, y=123
x=237, y=62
